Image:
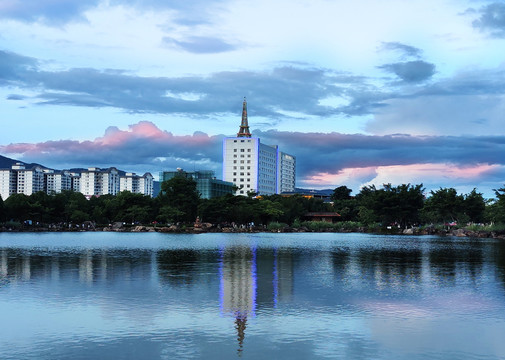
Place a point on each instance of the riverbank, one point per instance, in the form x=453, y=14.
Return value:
x=199, y=228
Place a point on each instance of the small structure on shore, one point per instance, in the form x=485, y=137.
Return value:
x=330, y=217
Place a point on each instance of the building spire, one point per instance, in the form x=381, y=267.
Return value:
x=244, y=126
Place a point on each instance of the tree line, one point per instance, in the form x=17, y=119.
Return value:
x=179, y=202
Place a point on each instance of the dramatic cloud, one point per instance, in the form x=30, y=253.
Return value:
x=492, y=19
x=281, y=89
x=322, y=159
x=143, y=147
x=200, y=45
x=405, y=50
x=411, y=71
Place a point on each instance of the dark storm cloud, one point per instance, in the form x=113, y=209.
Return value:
x=492, y=19
x=200, y=45
x=49, y=11
x=411, y=71
x=406, y=50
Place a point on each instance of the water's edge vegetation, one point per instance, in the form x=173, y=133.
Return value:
x=404, y=209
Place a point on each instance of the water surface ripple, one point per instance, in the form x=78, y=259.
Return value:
x=225, y=296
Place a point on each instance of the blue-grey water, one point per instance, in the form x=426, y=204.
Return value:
x=250, y=296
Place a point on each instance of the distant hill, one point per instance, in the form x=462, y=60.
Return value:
x=327, y=192
x=6, y=163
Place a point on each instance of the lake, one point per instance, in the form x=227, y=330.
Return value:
x=228, y=296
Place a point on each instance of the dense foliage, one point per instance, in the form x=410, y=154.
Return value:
x=178, y=202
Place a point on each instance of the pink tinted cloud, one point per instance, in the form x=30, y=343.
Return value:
x=141, y=143
x=431, y=173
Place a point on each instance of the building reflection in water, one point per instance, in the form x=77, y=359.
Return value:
x=251, y=279
x=238, y=286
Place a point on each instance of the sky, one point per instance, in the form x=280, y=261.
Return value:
x=362, y=92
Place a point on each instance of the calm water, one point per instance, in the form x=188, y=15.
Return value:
x=225, y=296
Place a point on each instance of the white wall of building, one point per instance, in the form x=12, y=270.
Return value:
x=286, y=176
x=8, y=183
x=240, y=163
x=267, y=170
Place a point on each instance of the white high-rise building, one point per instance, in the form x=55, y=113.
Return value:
x=256, y=167
x=20, y=180
x=57, y=181
x=96, y=182
x=137, y=184
x=286, y=172
x=8, y=183
x=29, y=181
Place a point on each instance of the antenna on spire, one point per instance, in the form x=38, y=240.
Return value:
x=244, y=125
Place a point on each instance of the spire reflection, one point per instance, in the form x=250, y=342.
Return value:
x=251, y=280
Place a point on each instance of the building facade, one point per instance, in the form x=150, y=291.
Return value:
x=93, y=182
x=57, y=181
x=96, y=182
x=206, y=183
x=137, y=184
x=286, y=173
x=20, y=180
x=255, y=167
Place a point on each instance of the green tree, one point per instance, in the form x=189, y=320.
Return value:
x=18, y=207
x=474, y=206
x=344, y=204
x=180, y=193
x=391, y=204
x=443, y=206
x=2, y=210
x=76, y=208
x=134, y=207
x=495, y=211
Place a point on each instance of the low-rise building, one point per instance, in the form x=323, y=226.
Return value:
x=206, y=183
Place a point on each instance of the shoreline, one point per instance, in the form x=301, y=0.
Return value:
x=209, y=228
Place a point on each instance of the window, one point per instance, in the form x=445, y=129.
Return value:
x=241, y=150
x=234, y=150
